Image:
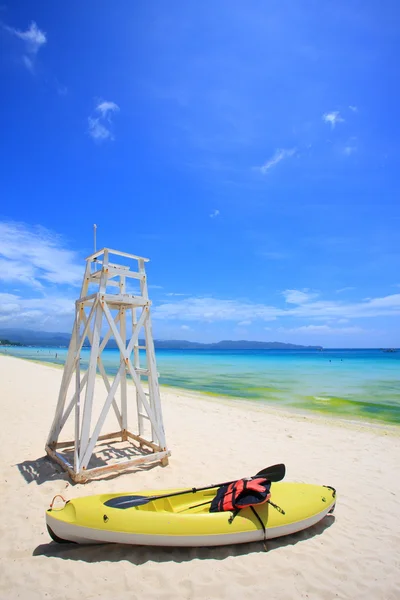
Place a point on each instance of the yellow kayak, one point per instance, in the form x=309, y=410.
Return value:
x=185, y=520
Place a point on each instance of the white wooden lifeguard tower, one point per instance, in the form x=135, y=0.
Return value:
x=91, y=452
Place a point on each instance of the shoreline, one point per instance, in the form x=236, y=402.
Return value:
x=327, y=418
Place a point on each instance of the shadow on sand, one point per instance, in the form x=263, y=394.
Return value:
x=41, y=470
x=139, y=555
x=44, y=469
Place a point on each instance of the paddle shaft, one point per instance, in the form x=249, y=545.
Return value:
x=262, y=473
x=273, y=473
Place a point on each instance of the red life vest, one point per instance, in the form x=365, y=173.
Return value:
x=241, y=494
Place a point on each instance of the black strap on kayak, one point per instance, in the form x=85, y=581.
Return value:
x=278, y=508
x=233, y=515
x=237, y=511
x=259, y=519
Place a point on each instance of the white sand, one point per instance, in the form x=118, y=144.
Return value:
x=354, y=555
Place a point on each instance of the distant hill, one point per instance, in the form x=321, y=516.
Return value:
x=230, y=345
x=44, y=338
x=35, y=338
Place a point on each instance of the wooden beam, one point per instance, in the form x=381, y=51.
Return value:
x=87, y=409
x=91, y=257
x=87, y=449
x=125, y=464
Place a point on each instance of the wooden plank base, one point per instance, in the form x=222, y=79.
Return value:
x=157, y=454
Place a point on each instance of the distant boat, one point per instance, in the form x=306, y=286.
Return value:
x=389, y=350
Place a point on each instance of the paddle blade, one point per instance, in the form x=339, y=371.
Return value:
x=273, y=473
x=126, y=501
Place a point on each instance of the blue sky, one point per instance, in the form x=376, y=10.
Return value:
x=250, y=150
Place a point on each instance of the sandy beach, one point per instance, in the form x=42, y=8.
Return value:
x=355, y=554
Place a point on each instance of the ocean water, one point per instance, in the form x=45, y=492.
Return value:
x=348, y=383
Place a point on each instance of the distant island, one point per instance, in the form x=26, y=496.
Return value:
x=8, y=343
x=230, y=345
x=26, y=337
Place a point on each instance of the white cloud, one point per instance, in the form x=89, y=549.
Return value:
x=33, y=39
x=353, y=108
x=186, y=327
x=35, y=256
x=333, y=118
x=175, y=294
x=279, y=155
x=214, y=214
x=345, y=289
x=98, y=131
x=48, y=312
x=16, y=270
x=107, y=108
x=100, y=127
x=211, y=309
x=298, y=296
x=348, y=150
x=28, y=62
x=350, y=147
x=244, y=323
x=324, y=329
x=37, y=259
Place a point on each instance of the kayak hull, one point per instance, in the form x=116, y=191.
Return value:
x=179, y=522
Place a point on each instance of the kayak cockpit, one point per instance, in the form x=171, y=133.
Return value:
x=198, y=502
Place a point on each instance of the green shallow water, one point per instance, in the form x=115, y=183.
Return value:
x=346, y=407
x=361, y=384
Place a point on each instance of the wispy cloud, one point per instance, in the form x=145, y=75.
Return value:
x=98, y=131
x=244, y=323
x=52, y=312
x=175, y=294
x=38, y=261
x=35, y=257
x=345, y=289
x=322, y=329
x=350, y=148
x=215, y=213
x=298, y=296
x=211, y=309
x=33, y=39
x=62, y=90
x=353, y=108
x=107, y=108
x=279, y=155
x=100, y=123
x=304, y=305
x=333, y=118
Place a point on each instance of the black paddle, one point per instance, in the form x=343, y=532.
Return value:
x=273, y=473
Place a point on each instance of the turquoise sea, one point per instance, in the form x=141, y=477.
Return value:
x=349, y=383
